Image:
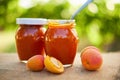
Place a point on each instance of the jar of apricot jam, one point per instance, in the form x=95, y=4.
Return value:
x=61, y=40
x=30, y=37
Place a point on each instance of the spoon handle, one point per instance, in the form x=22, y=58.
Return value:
x=81, y=8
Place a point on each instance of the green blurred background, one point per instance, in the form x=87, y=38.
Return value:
x=98, y=24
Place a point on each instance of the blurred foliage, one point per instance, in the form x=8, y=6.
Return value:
x=98, y=24
x=101, y=27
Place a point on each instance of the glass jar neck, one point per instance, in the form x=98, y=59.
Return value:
x=66, y=25
x=30, y=26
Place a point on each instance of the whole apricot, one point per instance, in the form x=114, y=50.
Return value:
x=36, y=63
x=91, y=58
x=53, y=65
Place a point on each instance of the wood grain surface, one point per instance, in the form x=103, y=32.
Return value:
x=12, y=69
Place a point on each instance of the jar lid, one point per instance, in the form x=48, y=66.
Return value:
x=61, y=21
x=31, y=21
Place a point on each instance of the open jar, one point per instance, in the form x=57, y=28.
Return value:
x=61, y=40
x=30, y=37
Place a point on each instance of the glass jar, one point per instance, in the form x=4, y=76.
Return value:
x=61, y=40
x=30, y=37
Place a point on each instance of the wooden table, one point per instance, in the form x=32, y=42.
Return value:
x=12, y=69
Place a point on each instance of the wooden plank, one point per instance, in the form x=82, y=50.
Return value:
x=12, y=69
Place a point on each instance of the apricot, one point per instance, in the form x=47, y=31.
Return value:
x=89, y=47
x=91, y=58
x=36, y=63
x=53, y=65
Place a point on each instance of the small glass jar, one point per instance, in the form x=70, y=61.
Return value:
x=30, y=37
x=61, y=40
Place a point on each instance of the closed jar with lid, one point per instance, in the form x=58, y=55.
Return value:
x=30, y=37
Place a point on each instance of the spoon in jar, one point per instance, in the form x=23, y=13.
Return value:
x=80, y=9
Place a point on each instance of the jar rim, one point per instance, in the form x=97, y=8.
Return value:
x=61, y=21
x=31, y=21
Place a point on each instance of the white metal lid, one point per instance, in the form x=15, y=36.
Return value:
x=31, y=21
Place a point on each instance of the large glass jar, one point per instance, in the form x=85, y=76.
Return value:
x=30, y=37
x=61, y=40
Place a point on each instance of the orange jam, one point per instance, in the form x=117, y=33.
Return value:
x=61, y=41
x=29, y=38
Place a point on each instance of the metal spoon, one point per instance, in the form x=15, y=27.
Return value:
x=81, y=8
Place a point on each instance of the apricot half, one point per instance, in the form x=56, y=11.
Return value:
x=91, y=58
x=36, y=63
x=53, y=65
